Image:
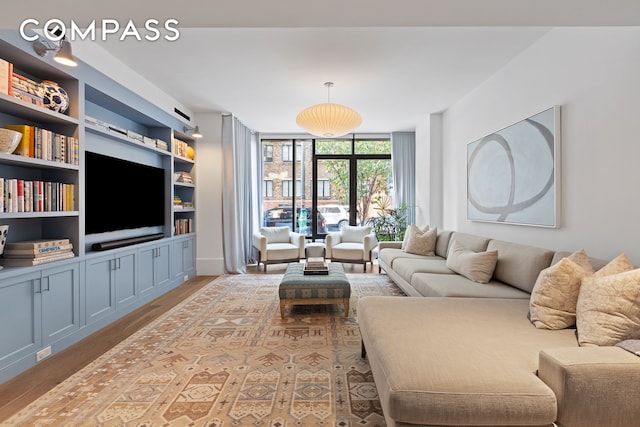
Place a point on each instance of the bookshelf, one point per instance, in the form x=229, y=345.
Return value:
x=183, y=147
x=53, y=305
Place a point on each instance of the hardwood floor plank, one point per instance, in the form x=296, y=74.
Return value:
x=20, y=391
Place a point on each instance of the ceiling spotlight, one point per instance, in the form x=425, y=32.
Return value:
x=328, y=120
x=63, y=52
x=196, y=131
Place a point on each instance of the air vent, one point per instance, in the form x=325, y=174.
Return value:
x=180, y=113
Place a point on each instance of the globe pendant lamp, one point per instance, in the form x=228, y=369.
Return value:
x=328, y=120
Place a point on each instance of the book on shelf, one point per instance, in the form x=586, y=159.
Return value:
x=183, y=226
x=184, y=177
x=37, y=244
x=6, y=71
x=135, y=135
x=37, y=252
x=24, y=262
x=26, y=145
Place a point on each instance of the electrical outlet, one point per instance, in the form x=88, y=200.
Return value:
x=45, y=352
x=186, y=277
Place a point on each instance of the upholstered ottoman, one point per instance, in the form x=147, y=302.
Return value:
x=298, y=288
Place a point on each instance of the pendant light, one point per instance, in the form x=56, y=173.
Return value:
x=328, y=120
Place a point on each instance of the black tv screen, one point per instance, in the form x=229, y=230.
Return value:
x=121, y=195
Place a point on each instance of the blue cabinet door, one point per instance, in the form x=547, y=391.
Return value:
x=163, y=264
x=60, y=302
x=99, y=288
x=20, y=318
x=125, y=280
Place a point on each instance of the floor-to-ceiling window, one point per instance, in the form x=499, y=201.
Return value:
x=347, y=181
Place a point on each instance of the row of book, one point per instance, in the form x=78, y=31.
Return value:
x=183, y=226
x=20, y=195
x=180, y=148
x=109, y=127
x=18, y=85
x=35, y=252
x=44, y=144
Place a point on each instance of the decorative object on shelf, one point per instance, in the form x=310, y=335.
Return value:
x=63, y=52
x=9, y=140
x=55, y=97
x=196, y=131
x=190, y=153
x=328, y=120
x=4, y=230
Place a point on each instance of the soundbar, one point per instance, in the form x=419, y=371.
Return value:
x=119, y=243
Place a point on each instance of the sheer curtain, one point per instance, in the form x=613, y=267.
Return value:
x=403, y=162
x=239, y=145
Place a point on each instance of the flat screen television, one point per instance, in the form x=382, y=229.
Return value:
x=122, y=195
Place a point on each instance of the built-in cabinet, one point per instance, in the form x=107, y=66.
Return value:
x=45, y=308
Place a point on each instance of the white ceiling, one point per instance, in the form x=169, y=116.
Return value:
x=395, y=62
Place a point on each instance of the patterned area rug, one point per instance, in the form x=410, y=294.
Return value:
x=224, y=357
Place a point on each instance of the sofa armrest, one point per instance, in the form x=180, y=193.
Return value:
x=297, y=240
x=392, y=244
x=330, y=241
x=370, y=243
x=594, y=386
x=260, y=243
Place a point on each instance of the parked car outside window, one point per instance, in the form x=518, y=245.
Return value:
x=336, y=216
x=282, y=215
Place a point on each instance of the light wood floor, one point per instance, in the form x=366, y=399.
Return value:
x=20, y=391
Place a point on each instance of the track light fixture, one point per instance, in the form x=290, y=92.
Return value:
x=196, y=131
x=63, y=52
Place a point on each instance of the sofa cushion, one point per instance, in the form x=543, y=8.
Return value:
x=555, y=295
x=389, y=256
x=407, y=267
x=421, y=242
x=276, y=234
x=608, y=309
x=352, y=233
x=454, y=285
x=457, y=370
x=348, y=250
x=468, y=241
x=477, y=266
x=282, y=251
x=442, y=242
x=519, y=265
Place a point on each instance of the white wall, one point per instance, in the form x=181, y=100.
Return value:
x=594, y=75
x=208, y=180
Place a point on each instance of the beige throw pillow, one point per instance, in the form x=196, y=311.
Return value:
x=421, y=243
x=555, y=294
x=476, y=266
x=408, y=232
x=608, y=309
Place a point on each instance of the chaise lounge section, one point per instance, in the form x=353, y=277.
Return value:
x=463, y=353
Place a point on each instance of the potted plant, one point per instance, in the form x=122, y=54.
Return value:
x=391, y=223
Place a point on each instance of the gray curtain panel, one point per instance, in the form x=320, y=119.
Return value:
x=403, y=162
x=238, y=183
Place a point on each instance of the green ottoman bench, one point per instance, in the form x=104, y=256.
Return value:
x=298, y=288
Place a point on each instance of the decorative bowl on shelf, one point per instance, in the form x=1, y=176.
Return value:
x=55, y=97
x=9, y=140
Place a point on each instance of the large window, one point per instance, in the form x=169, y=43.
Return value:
x=346, y=180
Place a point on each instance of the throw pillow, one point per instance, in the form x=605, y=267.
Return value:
x=555, y=294
x=476, y=266
x=608, y=309
x=354, y=234
x=408, y=230
x=421, y=243
x=581, y=258
x=276, y=234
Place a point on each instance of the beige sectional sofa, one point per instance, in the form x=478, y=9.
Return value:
x=462, y=353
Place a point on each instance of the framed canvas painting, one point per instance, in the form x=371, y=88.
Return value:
x=513, y=175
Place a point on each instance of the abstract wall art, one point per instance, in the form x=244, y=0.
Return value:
x=513, y=175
